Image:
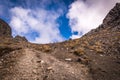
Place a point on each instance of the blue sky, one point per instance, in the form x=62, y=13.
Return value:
x=48, y=21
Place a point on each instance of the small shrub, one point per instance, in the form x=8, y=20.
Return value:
x=79, y=51
x=99, y=50
x=46, y=48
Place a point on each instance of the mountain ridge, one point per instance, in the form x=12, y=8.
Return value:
x=94, y=56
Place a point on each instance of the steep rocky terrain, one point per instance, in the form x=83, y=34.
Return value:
x=5, y=30
x=95, y=56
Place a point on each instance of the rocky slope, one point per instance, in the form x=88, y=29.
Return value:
x=5, y=30
x=95, y=56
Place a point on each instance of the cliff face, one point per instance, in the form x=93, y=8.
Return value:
x=113, y=17
x=5, y=30
x=95, y=56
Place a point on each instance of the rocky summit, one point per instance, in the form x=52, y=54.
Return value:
x=94, y=56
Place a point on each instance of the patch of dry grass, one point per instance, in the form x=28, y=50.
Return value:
x=79, y=51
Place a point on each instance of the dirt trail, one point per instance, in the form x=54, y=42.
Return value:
x=28, y=64
x=21, y=65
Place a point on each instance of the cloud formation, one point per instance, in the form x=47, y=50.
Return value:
x=34, y=19
x=23, y=21
x=44, y=21
x=86, y=15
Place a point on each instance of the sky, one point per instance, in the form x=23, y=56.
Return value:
x=49, y=21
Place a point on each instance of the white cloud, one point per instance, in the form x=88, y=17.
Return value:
x=42, y=21
x=88, y=15
x=74, y=36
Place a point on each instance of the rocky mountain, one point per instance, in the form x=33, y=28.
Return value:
x=5, y=30
x=95, y=56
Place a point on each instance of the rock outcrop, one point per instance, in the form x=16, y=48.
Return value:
x=5, y=30
x=111, y=21
x=113, y=17
x=19, y=38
